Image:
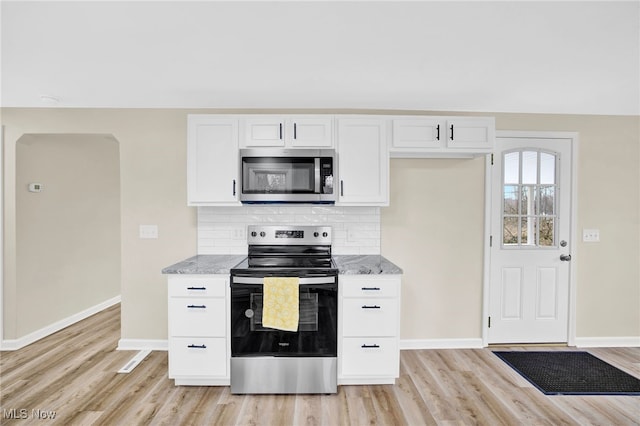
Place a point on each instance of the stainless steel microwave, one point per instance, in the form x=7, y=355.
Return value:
x=273, y=175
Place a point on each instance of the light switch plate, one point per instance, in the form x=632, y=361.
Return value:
x=591, y=235
x=148, y=231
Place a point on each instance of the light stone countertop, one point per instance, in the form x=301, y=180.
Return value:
x=222, y=264
x=206, y=264
x=360, y=264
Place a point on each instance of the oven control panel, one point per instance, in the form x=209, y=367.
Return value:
x=288, y=235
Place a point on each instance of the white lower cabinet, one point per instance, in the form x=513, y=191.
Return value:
x=197, y=357
x=198, y=329
x=369, y=329
x=370, y=358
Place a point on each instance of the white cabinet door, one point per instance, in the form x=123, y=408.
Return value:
x=198, y=316
x=363, y=162
x=370, y=317
x=471, y=133
x=369, y=358
x=418, y=133
x=212, y=160
x=288, y=132
x=264, y=131
x=310, y=132
x=197, y=357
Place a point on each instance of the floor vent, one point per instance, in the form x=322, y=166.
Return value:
x=133, y=363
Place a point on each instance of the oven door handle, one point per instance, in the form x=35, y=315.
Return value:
x=303, y=281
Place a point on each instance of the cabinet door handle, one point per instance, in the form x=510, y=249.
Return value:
x=196, y=288
x=234, y=187
x=197, y=306
x=198, y=346
x=438, y=132
x=342, y=188
x=280, y=131
x=451, y=129
x=295, y=131
x=371, y=288
x=370, y=307
x=370, y=346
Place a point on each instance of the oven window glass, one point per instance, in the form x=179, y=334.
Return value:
x=317, y=329
x=308, y=312
x=278, y=175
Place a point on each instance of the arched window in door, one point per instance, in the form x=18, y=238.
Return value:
x=529, y=199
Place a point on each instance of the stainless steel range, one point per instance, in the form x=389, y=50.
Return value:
x=269, y=360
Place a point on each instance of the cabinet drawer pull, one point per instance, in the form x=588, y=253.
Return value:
x=295, y=131
x=196, y=288
x=280, y=131
x=438, y=132
x=342, y=188
x=234, y=187
x=197, y=306
x=198, y=346
x=370, y=346
x=371, y=288
x=370, y=307
x=451, y=128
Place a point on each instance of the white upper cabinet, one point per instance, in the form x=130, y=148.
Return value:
x=418, y=133
x=471, y=133
x=212, y=160
x=363, y=162
x=288, y=132
x=442, y=136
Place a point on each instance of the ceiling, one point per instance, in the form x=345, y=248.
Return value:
x=535, y=57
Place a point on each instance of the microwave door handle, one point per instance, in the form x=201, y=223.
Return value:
x=317, y=179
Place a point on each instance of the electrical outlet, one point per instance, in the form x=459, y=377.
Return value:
x=591, y=235
x=148, y=231
x=238, y=233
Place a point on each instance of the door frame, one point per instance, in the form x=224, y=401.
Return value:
x=573, y=265
x=1, y=235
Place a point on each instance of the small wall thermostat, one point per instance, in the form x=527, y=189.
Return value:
x=35, y=187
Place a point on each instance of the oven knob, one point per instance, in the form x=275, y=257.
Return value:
x=325, y=234
x=263, y=234
x=316, y=234
x=254, y=233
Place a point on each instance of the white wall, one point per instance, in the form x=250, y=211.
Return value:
x=68, y=235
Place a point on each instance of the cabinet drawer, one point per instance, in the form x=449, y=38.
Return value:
x=370, y=317
x=197, y=316
x=197, y=286
x=370, y=357
x=197, y=356
x=370, y=288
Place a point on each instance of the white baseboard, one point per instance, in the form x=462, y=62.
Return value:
x=607, y=342
x=15, y=344
x=470, y=343
x=143, y=345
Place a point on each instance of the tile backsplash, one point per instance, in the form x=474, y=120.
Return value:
x=223, y=230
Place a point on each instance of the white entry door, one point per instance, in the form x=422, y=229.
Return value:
x=530, y=241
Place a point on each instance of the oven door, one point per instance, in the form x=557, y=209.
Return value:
x=317, y=329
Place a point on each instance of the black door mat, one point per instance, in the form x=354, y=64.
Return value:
x=570, y=373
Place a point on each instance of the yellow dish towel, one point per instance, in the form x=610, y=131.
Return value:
x=280, y=303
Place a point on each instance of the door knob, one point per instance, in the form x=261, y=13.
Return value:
x=565, y=257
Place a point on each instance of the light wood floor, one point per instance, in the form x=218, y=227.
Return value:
x=73, y=373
